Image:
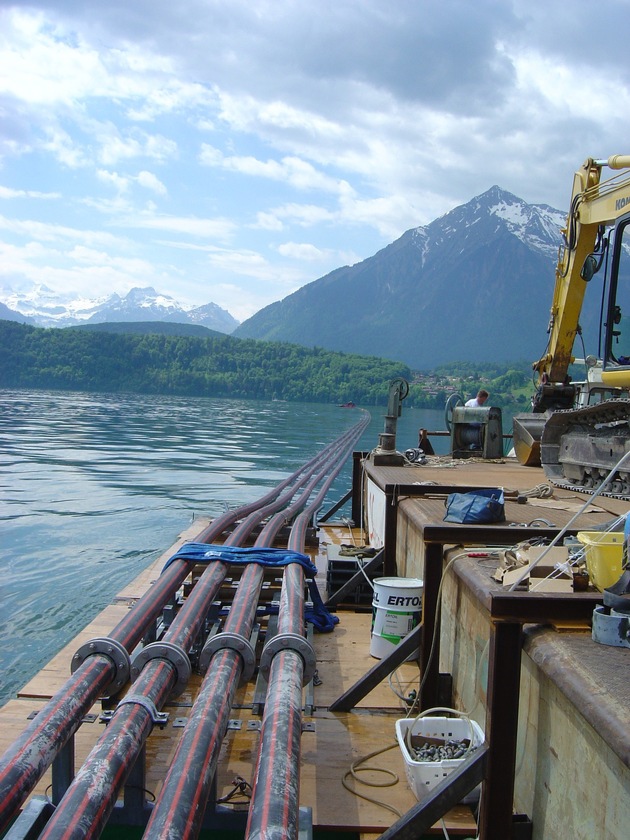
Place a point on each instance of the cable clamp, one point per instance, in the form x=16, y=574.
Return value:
x=158, y=718
x=174, y=654
x=114, y=651
x=232, y=641
x=289, y=641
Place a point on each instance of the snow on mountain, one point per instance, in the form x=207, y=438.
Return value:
x=538, y=226
x=45, y=308
x=474, y=284
x=140, y=304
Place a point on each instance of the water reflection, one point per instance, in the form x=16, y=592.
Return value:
x=93, y=487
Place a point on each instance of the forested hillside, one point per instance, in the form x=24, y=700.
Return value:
x=220, y=366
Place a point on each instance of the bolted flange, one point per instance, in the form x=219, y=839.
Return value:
x=234, y=642
x=289, y=641
x=114, y=651
x=174, y=654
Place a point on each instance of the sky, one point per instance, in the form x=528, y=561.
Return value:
x=231, y=151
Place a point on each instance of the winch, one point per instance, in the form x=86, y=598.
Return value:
x=476, y=432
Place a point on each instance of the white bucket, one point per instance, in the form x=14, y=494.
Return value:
x=396, y=610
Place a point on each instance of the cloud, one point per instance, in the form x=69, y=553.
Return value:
x=262, y=141
x=50, y=232
x=150, y=182
x=292, y=170
x=201, y=228
x=120, y=183
x=7, y=192
x=76, y=269
x=305, y=215
x=301, y=251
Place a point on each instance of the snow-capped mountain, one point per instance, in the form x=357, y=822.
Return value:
x=475, y=284
x=42, y=307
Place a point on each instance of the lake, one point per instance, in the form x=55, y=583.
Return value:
x=94, y=487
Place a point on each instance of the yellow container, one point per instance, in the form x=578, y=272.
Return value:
x=603, y=554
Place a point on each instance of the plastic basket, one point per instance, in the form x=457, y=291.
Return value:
x=603, y=554
x=425, y=775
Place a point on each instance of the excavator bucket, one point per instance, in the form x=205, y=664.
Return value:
x=527, y=431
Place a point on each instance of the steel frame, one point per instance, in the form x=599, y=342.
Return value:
x=507, y=613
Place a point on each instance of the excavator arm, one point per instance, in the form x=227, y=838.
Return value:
x=579, y=445
x=594, y=204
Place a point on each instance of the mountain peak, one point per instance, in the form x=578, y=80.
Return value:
x=536, y=225
x=446, y=291
x=140, y=304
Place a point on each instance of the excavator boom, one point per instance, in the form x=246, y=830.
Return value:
x=576, y=441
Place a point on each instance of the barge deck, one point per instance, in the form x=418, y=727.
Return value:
x=553, y=704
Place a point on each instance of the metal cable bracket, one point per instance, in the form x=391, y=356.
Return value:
x=232, y=641
x=114, y=651
x=289, y=641
x=174, y=654
x=158, y=718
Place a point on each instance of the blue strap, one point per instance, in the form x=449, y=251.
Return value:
x=318, y=615
x=205, y=553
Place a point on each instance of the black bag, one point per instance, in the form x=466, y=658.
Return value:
x=478, y=507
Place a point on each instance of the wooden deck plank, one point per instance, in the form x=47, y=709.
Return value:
x=343, y=657
x=327, y=752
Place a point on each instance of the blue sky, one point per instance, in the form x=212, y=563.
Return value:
x=230, y=152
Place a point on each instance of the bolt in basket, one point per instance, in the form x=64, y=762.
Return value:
x=436, y=732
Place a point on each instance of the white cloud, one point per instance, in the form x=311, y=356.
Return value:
x=7, y=192
x=304, y=215
x=113, y=147
x=52, y=232
x=39, y=65
x=62, y=146
x=223, y=132
x=118, y=182
x=247, y=113
x=267, y=221
x=291, y=170
x=55, y=65
x=78, y=269
x=252, y=264
x=203, y=228
x=150, y=182
x=301, y=251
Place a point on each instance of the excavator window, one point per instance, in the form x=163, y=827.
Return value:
x=618, y=331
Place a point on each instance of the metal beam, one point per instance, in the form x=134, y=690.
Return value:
x=504, y=677
x=337, y=506
x=403, y=650
x=419, y=819
x=356, y=579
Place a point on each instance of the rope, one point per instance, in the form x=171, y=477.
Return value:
x=540, y=491
x=356, y=768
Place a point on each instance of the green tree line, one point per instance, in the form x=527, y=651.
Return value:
x=222, y=366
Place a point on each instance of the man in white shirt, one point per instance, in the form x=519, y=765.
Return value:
x=479, y=400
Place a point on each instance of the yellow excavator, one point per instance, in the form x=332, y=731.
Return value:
x=579, y=431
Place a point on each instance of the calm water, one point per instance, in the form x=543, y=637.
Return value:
x=93, y=487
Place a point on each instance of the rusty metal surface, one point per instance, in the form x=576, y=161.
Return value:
x=447, y=475
x=425, y=512
x=593, y=678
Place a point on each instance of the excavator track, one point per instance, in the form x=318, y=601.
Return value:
x=579, y=447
